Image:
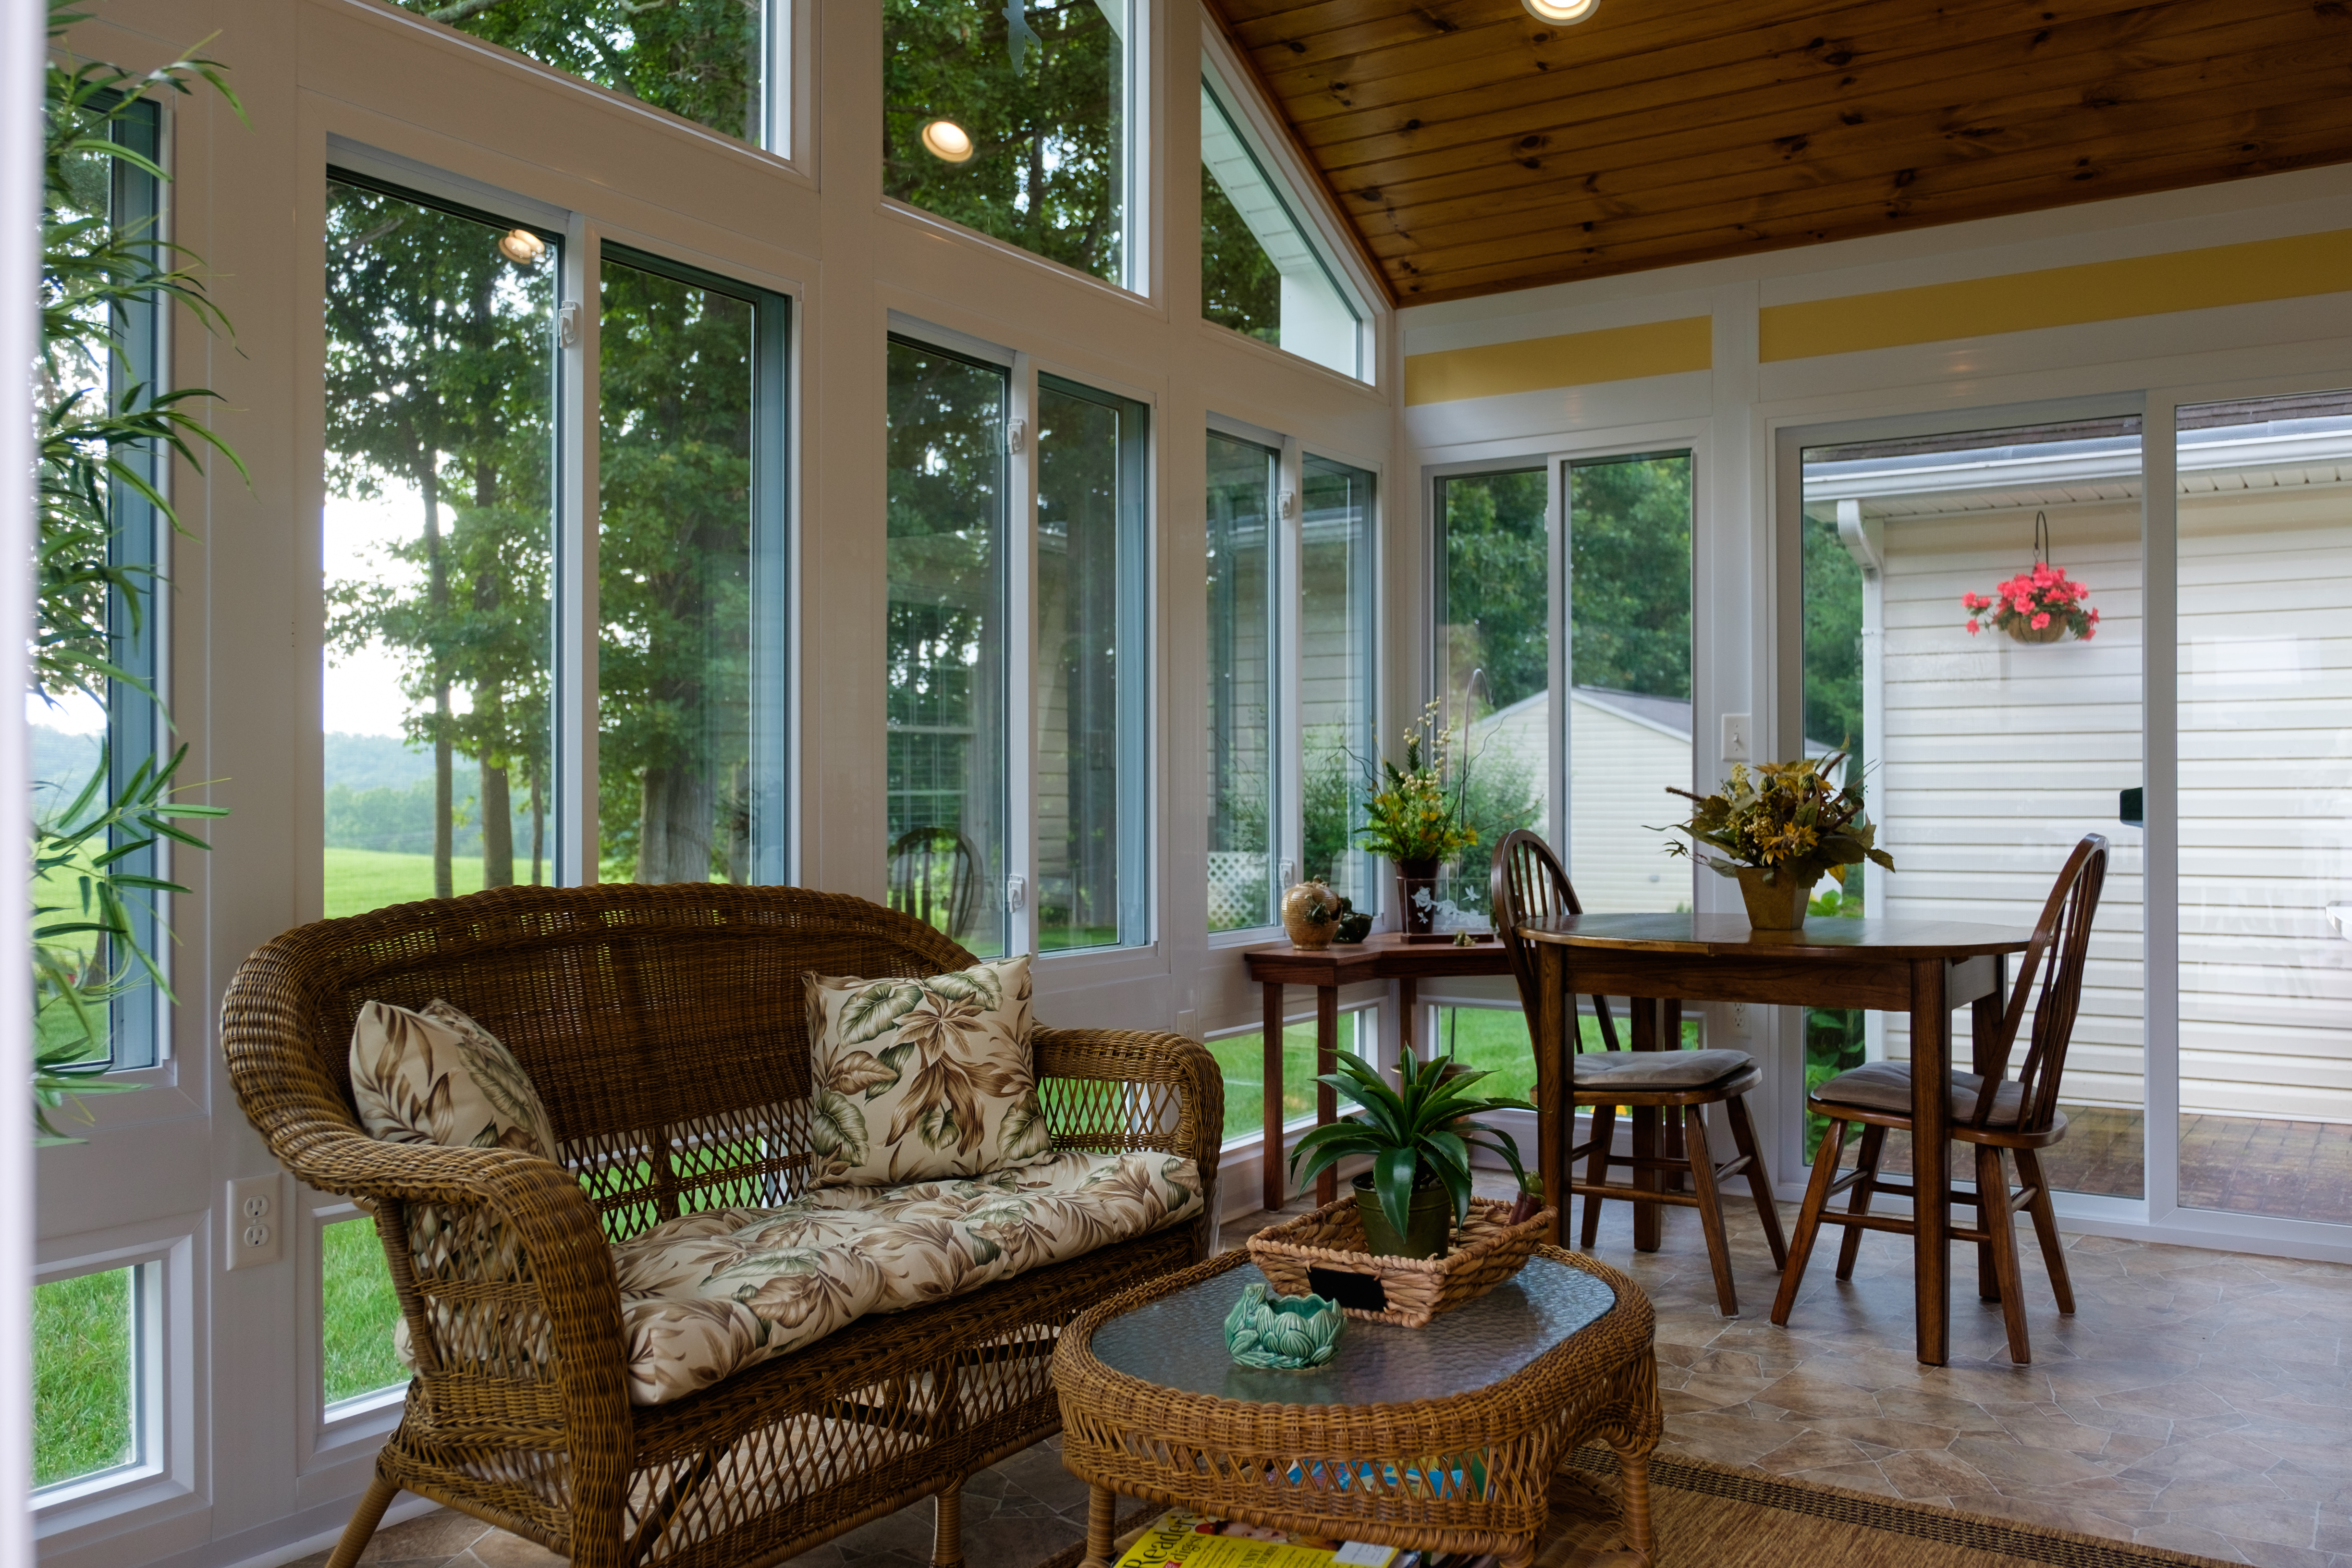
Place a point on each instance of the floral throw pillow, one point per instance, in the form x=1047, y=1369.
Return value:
x=437, y=1077
x=922, y=1078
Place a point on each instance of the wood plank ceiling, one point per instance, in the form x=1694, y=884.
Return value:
x=1477, y=149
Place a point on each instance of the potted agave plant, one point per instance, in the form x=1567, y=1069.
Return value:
x=1779, y=827
x=1419, y=1132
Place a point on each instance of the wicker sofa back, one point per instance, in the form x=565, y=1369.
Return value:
x=663, y=1028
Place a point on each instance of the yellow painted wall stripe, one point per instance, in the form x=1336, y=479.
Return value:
x=1574, y=359
x=2059, y=297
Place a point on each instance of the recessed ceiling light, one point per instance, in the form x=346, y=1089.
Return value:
x=521, y=246
x=947, y=141
x=1560, y=12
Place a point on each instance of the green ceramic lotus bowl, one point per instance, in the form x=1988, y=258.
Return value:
x=1282, y=1333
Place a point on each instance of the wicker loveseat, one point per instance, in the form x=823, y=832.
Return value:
x=663, y=1029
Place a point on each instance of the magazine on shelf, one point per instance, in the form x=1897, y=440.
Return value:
x=1182, y=1539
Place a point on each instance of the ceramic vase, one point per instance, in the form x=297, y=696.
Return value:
x=1417, y=894
x=1282, y=1333
x=1310, y=914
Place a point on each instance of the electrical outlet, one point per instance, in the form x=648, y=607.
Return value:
x=1739, y=1018
x=257, y=1222
x=1735, y=737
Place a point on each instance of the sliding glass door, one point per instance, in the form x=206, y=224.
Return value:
x=1988, y=740
x=2264, y=584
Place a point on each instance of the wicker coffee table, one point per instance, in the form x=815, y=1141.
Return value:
x=1444, y=1438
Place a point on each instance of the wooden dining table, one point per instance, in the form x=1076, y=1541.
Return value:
x=1922, y=968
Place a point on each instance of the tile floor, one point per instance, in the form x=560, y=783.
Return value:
x=2200, y=1401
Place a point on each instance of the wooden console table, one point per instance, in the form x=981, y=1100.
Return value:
x=1384, y=956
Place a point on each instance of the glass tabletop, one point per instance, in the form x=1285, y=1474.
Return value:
x=1179, y=1342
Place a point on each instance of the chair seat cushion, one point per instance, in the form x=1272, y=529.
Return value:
x=1655, y=1070
x=708, y=1294
x=1886, y=1087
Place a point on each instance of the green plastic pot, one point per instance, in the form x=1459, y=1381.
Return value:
x=1427, y=1222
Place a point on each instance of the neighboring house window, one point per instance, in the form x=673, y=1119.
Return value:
x=1016, y=120
x=691, y=586
x=439, y=529
x=725, y=64
x=1262, y=273
x=947, y=789
x=1243, y=631
x=1092, y=686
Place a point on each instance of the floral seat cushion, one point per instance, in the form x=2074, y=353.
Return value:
x=708, y=1294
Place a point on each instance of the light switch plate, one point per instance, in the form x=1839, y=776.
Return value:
x=1735, y=738
x=255, y=1219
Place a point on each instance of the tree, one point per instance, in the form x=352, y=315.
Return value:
x=1629, y=549
x=1241, y=286
x=673, y=665
x=1497, y=600
x=439, y=380
x=1035, y=89
x=1832, y=641
x=699, y=59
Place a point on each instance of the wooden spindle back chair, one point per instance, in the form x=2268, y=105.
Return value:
x=2003, y=1118
x=1529, y=884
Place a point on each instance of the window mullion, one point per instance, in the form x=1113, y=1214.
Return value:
x=1021, y=654
x=578, y=402
x=1284, y=746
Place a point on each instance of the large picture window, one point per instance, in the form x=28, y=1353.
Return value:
x=1091, y=688
x=947, y=785
x=1338, y=612
x=441, y=424
x=1244, y=632
x=721, y=63
x=94, y=740
x=1014, y=120
x=691, y=590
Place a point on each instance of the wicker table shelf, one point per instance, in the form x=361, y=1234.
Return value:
x=1442, y=1438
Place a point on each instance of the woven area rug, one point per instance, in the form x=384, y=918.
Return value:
x=1711, y=1516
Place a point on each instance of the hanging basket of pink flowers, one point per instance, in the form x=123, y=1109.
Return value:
x=2038, y=606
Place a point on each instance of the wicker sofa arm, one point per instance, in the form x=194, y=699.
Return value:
x=522, y=1313
x=1133, y=1088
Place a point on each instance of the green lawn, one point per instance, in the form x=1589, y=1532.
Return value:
x=82, y=1392
x=1496, y=1039
x=1243, y=1059
x=360, y=1313
x=359, y=880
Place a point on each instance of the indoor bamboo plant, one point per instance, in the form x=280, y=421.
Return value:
x=1419, y=1134
x=1780, y=826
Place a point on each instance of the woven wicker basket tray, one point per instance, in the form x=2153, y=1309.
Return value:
x=1322, y=1254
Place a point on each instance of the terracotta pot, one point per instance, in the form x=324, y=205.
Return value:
x=1417, y=894
x=1310, y=914
x=1771, y=907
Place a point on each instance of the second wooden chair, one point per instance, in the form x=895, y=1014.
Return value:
x=2002, y=1118
x=1528, y=885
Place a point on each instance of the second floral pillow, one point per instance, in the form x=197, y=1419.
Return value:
x=919, y=1079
